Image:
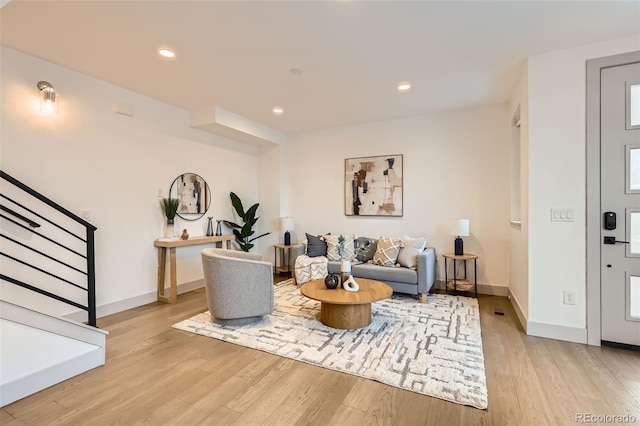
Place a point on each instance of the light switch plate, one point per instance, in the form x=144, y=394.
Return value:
x=562, y=215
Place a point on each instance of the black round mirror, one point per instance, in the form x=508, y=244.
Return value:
x=194, y=195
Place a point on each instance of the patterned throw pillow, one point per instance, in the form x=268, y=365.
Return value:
x=315, y=246
x=409, y=250
x=365, y=252
x=333, y=247
x=387, y=251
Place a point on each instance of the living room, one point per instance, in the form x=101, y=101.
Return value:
x=457, y=163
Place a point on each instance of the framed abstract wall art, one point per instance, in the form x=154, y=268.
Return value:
x=373, y=186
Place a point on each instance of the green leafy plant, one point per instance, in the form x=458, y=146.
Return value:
x=244, y=232
x=170, y=208
x=341, y=249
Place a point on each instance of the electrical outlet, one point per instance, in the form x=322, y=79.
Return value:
x=159, y=193
x=86, y=215
x=569, y=297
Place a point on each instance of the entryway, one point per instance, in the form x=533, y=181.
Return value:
x=613, y=200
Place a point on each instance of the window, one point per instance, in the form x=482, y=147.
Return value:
x=633, y=105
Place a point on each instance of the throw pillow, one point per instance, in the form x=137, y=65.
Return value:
x=367, y=250
x=316, y=246
x=409, y=250
x=387, y=251
x=337, y=250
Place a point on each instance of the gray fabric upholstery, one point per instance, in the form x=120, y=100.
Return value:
x=239, y=285
x=401, y=280
x=375, y=272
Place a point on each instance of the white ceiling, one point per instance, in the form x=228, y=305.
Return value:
x=237, y=54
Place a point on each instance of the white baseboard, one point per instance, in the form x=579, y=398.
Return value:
x=132, y=302
x=488, y=289
x=558, y=332
x=519, y=312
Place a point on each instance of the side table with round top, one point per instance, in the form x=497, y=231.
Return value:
x=463, y=257
x=343, y=309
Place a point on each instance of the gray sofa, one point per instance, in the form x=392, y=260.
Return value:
x=400, y=279
x=239, y=286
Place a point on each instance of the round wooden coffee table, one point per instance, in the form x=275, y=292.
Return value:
x=345, y=309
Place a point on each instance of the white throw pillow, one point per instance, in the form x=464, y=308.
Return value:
x=333, y=245
x=409, y=249
x=387, y=251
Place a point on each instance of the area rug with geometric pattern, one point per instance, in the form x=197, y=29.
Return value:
x=433, y=349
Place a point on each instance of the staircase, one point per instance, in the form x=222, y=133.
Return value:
x=47, y=265
x=38, y=351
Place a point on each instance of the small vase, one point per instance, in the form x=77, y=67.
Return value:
x=185, y=235
x=219, y=227
x=331, y=281
x=210, y=227
x=169, y=228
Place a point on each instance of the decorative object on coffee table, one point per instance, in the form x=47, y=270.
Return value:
x=350, y=284
x=331, y=281
x=345, y=270
x=169, y=207
x=185, y=235
x=373, y=186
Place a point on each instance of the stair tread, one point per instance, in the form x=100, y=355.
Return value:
x=26, y=350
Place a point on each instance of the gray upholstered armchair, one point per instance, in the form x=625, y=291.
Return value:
x=239, y=286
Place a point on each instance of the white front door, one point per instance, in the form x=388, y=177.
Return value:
x=620, y=204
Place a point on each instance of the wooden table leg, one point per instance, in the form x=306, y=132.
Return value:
x=174, y=275
x=162, y=258
x=345, y=317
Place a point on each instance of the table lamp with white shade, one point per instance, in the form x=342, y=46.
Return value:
x=460, y=228
x=286, y=225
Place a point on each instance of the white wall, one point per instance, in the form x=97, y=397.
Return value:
x=557, y=179
x=88, y=157
x=456, y=164
x=270, y=166
x=519, y=234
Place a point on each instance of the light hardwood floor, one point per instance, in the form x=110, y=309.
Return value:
x=156, y=375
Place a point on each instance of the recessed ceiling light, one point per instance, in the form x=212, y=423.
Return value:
x=166, y=53
x=404, y=86
x=277, y=110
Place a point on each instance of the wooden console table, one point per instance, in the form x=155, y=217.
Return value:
x=172, y=245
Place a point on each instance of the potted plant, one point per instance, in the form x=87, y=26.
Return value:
x=245, y=231
x=170, y=208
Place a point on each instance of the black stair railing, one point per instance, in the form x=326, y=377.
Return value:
x=12, y=211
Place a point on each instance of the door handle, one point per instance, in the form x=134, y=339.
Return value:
x=612, y=240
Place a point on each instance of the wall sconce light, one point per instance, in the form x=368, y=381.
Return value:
x=48, y=103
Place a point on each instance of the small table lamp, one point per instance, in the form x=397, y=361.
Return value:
x=460, y=229
x=286, y=225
